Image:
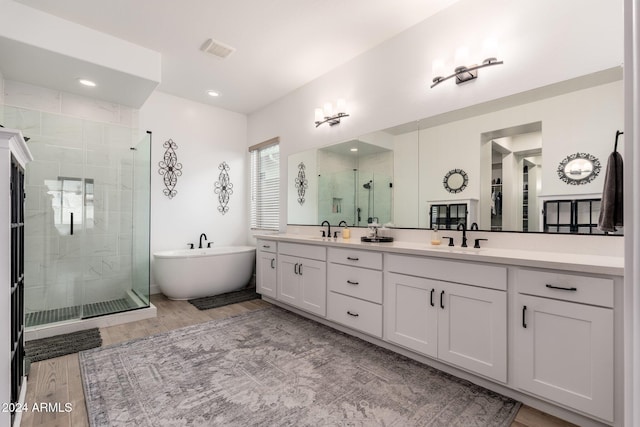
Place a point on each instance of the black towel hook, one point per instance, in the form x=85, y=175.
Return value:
x=615, y=148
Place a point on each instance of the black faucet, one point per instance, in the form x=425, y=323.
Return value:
x=205, y=238
x=343, y=222
x=464, y=234
x=328, y=233
x=474, y=226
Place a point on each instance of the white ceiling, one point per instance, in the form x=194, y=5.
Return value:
x=280, y=44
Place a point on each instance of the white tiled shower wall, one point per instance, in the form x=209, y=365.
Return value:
x=74, y=136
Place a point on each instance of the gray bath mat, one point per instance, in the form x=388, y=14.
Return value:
x=60, y=345
x=270, y=367
x=205, y=303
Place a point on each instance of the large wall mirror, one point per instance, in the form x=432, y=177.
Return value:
x=509, y=149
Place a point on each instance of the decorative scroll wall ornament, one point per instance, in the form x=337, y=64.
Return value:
x=170, y=169
x=301, y=183
x=455, y=181
x=224, y=188
x=579, y=168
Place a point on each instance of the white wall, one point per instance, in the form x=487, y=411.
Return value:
x=206, y=136
x=389, y=84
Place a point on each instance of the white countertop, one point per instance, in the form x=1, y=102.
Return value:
x=597, y=264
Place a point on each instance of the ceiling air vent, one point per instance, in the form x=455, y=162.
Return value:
x=216, y=48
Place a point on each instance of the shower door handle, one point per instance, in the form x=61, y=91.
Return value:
x=71, y=225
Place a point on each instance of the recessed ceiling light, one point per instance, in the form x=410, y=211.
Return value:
x=86, y=82
x=213, y=93
x=354, y=149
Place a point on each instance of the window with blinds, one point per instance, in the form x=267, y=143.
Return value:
x=265, y=185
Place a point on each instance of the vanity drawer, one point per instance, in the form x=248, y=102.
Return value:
x=366, y=259
x=267, y=246
x=355, y=313
x=357, y=282
x=568, y=287
x=303, y=251
x=488, y=276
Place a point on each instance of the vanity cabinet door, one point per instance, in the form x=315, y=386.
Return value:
x=411, y=312
x=472, y=328
x=463, y=325
x=288, y=280
x=267, y=277
x=313, y=286
x=303, y=283
x=564, y=353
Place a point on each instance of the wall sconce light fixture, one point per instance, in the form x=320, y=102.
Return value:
x=326, y=114
x=464, y=73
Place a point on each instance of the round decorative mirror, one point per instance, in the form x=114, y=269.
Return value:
x=455, y=181
x=579, y=168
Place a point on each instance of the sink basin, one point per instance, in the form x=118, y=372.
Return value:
x=379, y=239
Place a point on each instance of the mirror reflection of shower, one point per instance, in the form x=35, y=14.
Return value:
x=370, y=215
x=354, y=183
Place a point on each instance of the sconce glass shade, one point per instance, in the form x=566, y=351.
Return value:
x=341, y=106
x=462, y=56
x=437, y=69
x=489, y=50
x=328, y=109
x=319, y=115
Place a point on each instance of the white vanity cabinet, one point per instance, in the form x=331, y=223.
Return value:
x=302, y=277
x=266, y=268
x=564, y=339
x=453, y=311
x=354, y=282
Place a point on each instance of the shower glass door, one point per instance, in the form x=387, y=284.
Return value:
x=141, y=218
x=87, y=220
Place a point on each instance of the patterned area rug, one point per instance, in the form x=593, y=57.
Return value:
x=270, y=367
x=205, y=303
x=59, y=345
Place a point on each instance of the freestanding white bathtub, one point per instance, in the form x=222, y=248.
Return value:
x=194, y=273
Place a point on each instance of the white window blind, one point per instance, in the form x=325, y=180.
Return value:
x=265, y=185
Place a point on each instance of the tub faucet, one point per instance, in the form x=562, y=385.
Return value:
x=205, y=238
x=464, y=234
x=328, y=232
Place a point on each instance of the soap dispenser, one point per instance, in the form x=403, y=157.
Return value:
x=346, y=233
x=435, y=235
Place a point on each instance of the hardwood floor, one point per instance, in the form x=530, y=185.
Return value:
x=57, y=381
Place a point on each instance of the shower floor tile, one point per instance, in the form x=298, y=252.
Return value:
x=87, y=310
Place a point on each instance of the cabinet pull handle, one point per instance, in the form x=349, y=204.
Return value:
x=353, y=258
x=71, y=224
x=562, y=288
x=441, y=300
x=273, y=260
x=352, y=283
x=300, y=269
x=266, y=246
x=295, y=268
x=524, y=316
x=431, y=297
x=352, y=314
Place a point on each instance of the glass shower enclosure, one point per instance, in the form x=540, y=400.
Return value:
x=87, y=220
